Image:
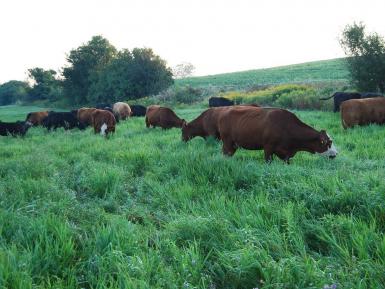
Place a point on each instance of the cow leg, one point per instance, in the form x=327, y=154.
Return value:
x=147, y=122
x=228, y=148
x=336, y=106
x=284, y=155
x=268, y=154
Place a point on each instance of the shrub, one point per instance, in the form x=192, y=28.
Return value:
x=181, y=94
x=286, y=95
x=13, y=91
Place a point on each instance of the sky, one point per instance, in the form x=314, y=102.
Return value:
x=216, y=36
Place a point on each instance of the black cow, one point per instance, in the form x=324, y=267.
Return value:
x=339, y=97
x=138, y=110
x=14, y=128
x=67, y=120
x=219, y=101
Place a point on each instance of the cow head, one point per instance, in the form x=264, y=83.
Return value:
x=28, y=124
x=186, y=132
x=28, y=116
x=324, y=145
x=105, y=129
x=25, y=125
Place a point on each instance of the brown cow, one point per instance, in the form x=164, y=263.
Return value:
x=103, y=122
x=163, y=117
x=122, y=109
x=363, y=111
x=84, y=115
x=276, y=131
x=206, y=124
x=36, y=118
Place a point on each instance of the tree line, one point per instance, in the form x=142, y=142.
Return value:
x=96, y=72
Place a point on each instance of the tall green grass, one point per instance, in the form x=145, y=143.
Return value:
x=142, y=209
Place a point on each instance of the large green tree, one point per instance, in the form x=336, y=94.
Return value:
x=366, y=57
x=132, y=75
x=151, y=74
x=85, y=64
x=46, y=85
x=13, y=91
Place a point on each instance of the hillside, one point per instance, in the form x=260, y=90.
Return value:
x=332, y=70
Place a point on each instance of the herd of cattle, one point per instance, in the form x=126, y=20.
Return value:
x=340, y=97
x=359, y=108
x=103, y=118
x=249, y=126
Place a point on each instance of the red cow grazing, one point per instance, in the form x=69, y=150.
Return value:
x=163, y=117
x=276, y=131
x=206, y=124
x=103, y=122
x=363, y=111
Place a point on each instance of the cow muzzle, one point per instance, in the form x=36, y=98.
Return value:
x=331, y=153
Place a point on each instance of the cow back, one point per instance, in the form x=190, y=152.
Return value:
x=138, y=110
x=220, y=101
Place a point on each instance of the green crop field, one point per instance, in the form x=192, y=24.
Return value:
x=142, y=209
x=333, y=70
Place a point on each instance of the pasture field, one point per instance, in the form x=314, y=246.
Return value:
x=142, y=209
x=330, y=71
